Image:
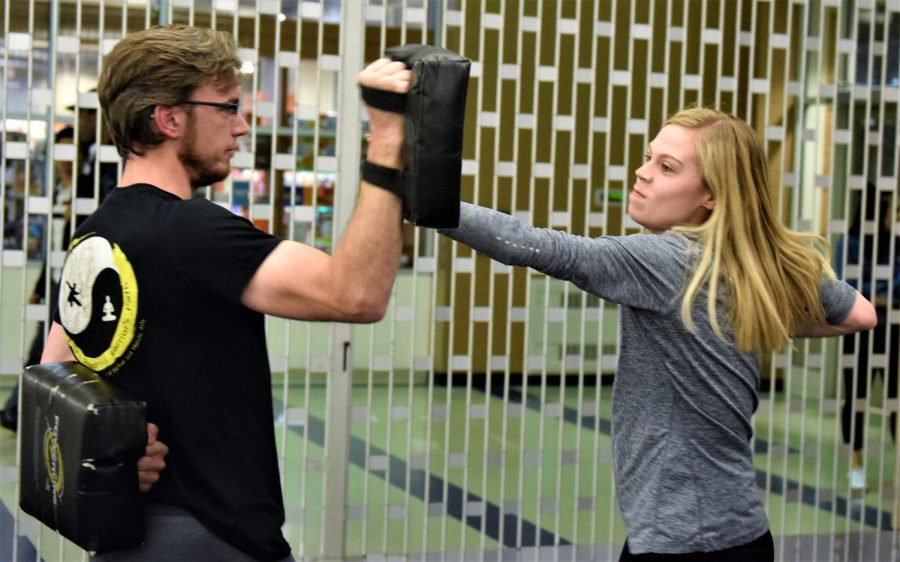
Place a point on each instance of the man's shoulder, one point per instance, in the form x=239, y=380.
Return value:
x=202, y=209
x=177, y=217
x=194, y=208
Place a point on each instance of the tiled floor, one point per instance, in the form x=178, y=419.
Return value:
x=409, y=500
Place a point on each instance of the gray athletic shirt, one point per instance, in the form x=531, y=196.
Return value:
x=682, y=401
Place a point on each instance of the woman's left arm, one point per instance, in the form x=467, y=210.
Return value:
x=625, y=270
x=860, y=318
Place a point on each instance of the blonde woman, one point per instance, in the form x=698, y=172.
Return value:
x=717, y=285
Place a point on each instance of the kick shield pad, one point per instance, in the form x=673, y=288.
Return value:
x=432, y=151
x=81, y=440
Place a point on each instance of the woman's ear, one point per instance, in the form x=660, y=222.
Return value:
x=709, y=201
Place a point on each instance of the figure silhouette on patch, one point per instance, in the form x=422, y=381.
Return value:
x=73, y=294
x=108, y=311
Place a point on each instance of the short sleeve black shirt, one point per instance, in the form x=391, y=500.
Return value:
x=150, y=298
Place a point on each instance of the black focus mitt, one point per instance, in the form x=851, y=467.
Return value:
x=435, y=110
x=81, y=440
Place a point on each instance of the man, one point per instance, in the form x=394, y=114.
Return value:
x=165, y=294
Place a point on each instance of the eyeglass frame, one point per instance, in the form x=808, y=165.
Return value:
x=232, y=108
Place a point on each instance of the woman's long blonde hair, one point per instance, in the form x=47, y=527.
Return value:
x=770, y=275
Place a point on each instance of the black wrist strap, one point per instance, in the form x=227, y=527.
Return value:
x=382, y=99
x=390, y=179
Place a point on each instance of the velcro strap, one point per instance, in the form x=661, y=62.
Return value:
x=390, y=179
x=384, y=100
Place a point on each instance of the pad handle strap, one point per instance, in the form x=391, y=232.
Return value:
x=384, y=100
x=390, y=179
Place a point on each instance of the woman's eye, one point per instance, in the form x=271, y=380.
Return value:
x=647, y=157
x=667, y=168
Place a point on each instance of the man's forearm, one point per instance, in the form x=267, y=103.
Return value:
x=368, y=255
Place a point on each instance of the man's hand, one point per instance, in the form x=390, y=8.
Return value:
x=385, y=127
x=387, y=75
x=150, y=465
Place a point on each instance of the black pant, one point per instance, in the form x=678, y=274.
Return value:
x=862, y=380
x=760, y=550
x=9, y=414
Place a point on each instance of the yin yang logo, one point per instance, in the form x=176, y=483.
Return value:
x=97, y=301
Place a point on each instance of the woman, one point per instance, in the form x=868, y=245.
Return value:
x=719, y=284
x=62, y=195
x=861, y=250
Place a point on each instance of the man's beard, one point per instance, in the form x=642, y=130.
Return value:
x=200, y=172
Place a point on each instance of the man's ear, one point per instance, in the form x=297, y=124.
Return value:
x=168, y=120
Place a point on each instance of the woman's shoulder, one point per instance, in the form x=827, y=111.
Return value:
x=668, y=250
x=668, y=242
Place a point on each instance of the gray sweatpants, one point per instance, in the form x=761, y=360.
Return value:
x=174, y=535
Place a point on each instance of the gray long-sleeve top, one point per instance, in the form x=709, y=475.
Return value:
x=682, y=401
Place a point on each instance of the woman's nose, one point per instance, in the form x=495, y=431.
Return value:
x=640, y=174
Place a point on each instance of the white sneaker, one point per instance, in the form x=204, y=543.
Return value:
x=858, y=479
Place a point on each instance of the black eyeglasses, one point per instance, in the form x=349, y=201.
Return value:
x=232, y=108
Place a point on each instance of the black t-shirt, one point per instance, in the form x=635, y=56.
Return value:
x=150, y=298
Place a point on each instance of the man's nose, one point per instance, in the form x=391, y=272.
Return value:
x=241, y=126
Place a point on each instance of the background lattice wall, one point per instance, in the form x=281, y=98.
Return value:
x=474, y=420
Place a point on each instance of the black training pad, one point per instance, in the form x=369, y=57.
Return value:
x=432, y=146
x=81, y=440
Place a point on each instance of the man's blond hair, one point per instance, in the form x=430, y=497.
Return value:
x=160, y=66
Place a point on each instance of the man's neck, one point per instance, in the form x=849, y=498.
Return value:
x=158, y=167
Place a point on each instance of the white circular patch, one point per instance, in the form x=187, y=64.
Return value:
x=83, y=264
